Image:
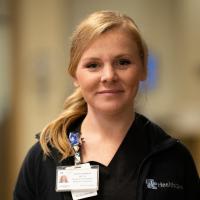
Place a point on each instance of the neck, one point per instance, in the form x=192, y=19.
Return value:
x=104, y=125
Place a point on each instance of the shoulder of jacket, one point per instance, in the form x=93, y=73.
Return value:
x=184, y=152
x=53, y=154
x=35, y=153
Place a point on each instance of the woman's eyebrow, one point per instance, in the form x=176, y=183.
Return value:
x=123, y=55
x=98, y=58
x=90, y=58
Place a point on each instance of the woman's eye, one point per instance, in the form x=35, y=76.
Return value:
x=92, y=65
x=124, y=62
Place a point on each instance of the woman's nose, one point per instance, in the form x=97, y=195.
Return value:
x=108, y=74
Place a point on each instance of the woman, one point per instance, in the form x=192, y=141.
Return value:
x=136, y=158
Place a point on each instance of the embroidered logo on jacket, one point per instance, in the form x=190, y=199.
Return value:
x=154, y=185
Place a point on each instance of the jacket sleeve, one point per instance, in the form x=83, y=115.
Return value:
x=192, y=181
x=26, y=185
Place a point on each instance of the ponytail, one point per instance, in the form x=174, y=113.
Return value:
x=55, y=133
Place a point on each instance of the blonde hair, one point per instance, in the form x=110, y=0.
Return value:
x=55, y=133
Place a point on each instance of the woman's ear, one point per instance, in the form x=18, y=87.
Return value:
x=143, y=75
x=75, y=82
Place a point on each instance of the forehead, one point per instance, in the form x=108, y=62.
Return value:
x=117, y=41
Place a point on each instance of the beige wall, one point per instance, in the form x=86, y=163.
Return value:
x=41, y=83
x=41, y=30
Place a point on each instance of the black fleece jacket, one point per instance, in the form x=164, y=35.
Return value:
x=149, y=164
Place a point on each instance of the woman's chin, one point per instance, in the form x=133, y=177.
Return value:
x=113, y=109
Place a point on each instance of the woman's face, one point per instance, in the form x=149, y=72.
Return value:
x=109, y=73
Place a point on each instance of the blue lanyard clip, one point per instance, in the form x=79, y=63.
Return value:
x=74, y=138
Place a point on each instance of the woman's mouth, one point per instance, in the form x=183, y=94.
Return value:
x=113, y=91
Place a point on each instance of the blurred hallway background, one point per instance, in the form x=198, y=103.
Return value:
x=34, y=46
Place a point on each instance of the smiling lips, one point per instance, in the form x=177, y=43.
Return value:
x=110, y=92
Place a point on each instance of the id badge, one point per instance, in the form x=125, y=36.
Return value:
x=83, y=177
